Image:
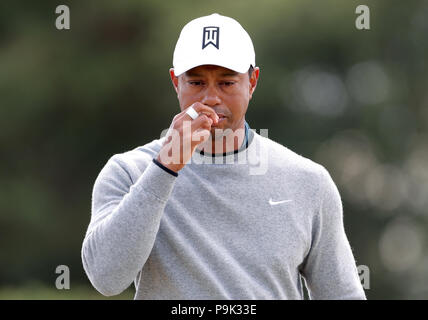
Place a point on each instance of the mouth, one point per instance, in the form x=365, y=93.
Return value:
x=221, y=118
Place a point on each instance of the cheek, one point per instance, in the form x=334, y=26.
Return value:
x=238, y=107
x=185, y=99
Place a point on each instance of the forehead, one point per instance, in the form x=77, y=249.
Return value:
x=211, y=70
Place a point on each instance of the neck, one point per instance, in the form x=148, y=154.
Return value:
x=231, y=141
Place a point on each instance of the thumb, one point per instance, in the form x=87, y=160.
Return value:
x=201, y=135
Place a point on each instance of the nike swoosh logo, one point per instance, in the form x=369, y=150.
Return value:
x=272, y=203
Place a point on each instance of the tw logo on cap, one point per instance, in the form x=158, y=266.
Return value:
x=210, y=36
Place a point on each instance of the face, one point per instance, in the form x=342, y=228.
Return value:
x=226, y=91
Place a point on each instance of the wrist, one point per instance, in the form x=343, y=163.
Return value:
x=173, y=167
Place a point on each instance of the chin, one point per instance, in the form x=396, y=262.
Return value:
x=224, y=131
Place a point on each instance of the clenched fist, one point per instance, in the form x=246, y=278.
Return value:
x=185, y=134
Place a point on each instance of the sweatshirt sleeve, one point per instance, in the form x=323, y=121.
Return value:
x=125, y=218
x=330, y=269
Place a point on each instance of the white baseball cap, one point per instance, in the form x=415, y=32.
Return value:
x=216, y=40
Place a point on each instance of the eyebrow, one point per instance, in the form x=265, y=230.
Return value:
x=192, y=74
x=224, y=74
x=229, y=74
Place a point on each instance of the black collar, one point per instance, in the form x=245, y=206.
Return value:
x=243, y=146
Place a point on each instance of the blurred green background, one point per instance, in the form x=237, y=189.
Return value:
x=355, y=101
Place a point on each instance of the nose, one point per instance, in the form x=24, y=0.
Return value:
x=211, y=97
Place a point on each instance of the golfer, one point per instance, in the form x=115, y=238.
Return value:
x=213, y=209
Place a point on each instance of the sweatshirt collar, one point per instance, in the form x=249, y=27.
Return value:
x=244, y=145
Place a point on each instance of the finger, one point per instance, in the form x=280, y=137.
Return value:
x=202, y=122
x=201, y=108
x=189, y=114
x=189, y=127
x=201, y=135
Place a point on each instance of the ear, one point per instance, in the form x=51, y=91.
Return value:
x=253, y=80
x=174, y=79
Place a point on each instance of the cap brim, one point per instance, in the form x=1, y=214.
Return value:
x=237, y=66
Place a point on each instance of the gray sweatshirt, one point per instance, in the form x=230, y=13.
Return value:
x=245, y=225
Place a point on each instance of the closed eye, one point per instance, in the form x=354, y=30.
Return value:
x=195, y=83
x=227, y=83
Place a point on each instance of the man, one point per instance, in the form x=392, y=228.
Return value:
x=184, y=217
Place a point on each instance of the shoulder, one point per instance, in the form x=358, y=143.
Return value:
x=281, y=157
x=141, y=153
x=307, y=179
x=134, y=162
x=284, y=163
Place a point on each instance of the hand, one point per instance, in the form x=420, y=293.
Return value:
x=184, y=135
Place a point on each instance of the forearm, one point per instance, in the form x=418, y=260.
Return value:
x=117, y=245
x=330, y=268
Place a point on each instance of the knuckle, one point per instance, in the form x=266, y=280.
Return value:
x=204, y=118
x=206, y=125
